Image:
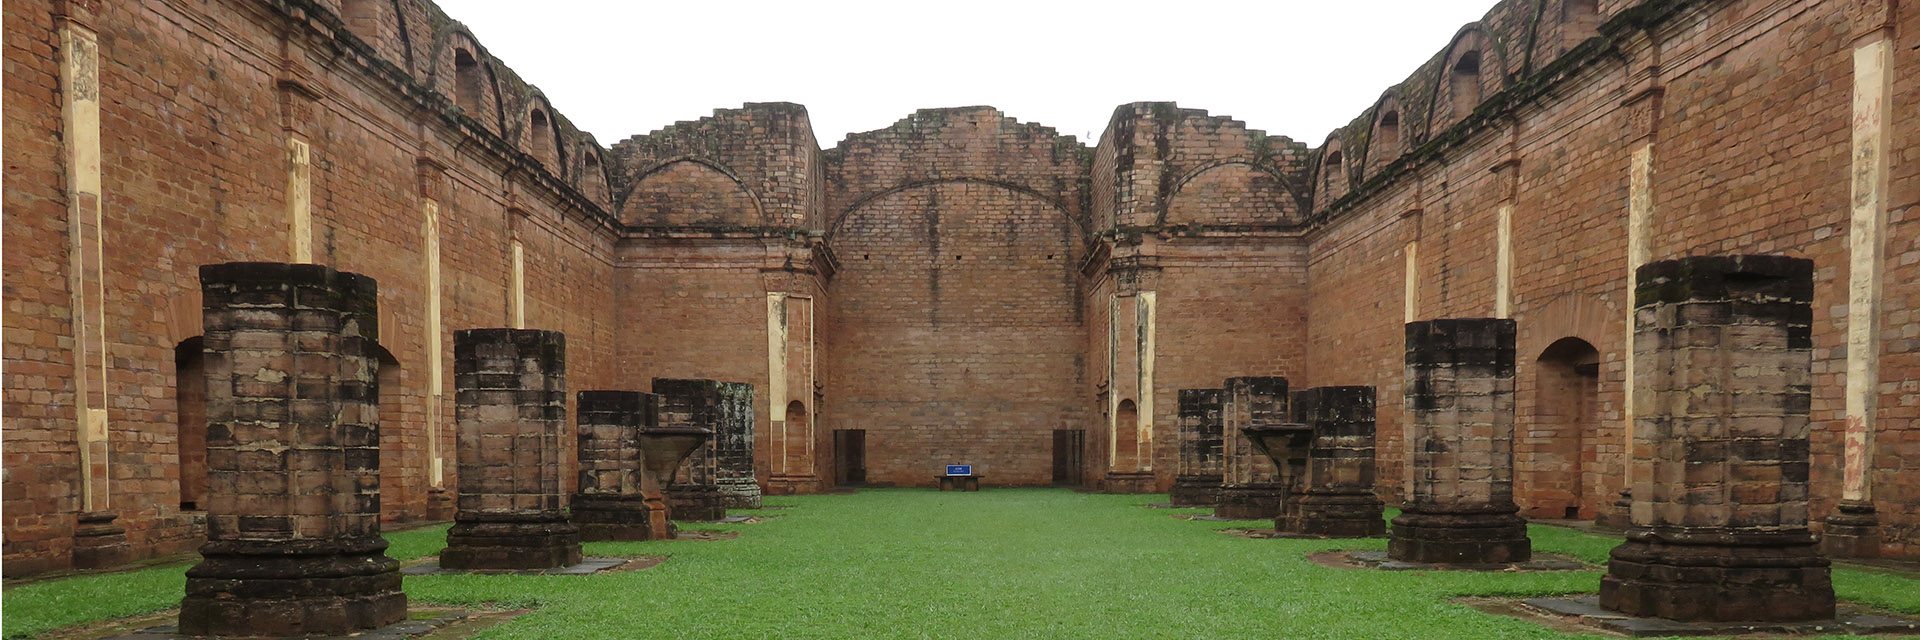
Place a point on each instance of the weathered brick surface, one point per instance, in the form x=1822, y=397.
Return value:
x=608, y=504
x=1459, y=402
x=1723, y=385
x=511, y=404
x=293, y=467
x=1200, y=465
x=1251, y=488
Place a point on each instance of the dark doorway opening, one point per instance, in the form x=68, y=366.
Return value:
x=1069, y=449
x=849, y=457
x=190, y=396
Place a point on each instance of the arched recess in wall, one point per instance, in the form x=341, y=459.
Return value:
x=473, y=85
x=1332, y=181
x=593, y=175
x=1387, y=141
x=395, y=408
x=1079, y=225
x=1232, y=192
x=1474, y=68
x=1126, y=436
x=799, y=426
x=543, y=135
x=1557, y=452
x=190, y=398
x=690, y=192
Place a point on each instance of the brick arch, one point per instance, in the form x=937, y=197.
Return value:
x=688, y=190
x=1472, y=39
x=1210, y=198
x=1331, y=180
x=549, y=150
x=452, y=40
x=1381, y=148
x=1080, y=226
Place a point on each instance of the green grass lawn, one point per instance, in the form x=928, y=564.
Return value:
x=1002, y=563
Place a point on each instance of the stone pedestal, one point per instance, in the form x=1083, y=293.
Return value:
x=1618, y=515
x=662, y=449
x=510, y=401
x=694, y=493
x=733, y=448
x=1853, y=531
x=608, y=504
x=1723, y=380
x=98, y=543
x=1337, y=499
x=1250, y=488
x=293, y=461
x=1198, y=469
x=1459, y=398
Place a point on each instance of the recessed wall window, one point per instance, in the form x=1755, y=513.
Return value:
x=1465, y=83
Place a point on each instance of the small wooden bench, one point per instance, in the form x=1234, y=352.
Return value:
x=960, y=483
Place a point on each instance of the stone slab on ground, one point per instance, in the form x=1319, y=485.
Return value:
x=398, y=631
x=1379, y=560
x=1264, y=534
x=1587, y=611
x=585, y=567
x=1208, y=517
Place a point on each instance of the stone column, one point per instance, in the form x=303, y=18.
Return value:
x=1720, y=454
x=510, y=404
x=733, y=447
x=1459, y=398
x=1196, y=482
x=695, y=491
x=293, y=461
x=1338, y=499
x=1251, y=487
x=608, y=504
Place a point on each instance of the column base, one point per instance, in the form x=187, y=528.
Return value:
x=1853, y=531
x=780, y=485
x=1463, y=534
x=98, y=543
x=1617, y=516
x=1252, y=501
x=1195, y=490
x=1355, y=514
x=1718, y=577
x=302, y=588
x=739, y=493
x=600, y=518
x=1129, y=482
x=542, y=540
x=440, y=504
x=692, y=502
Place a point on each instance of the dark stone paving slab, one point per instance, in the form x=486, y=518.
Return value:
x=1203, y=518
x=585, y=567
x=399, y=631
x=1587, y=610
x=733, y=519
x=1379, y=560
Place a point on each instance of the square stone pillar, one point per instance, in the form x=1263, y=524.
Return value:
x=608, y=504
x=695, y=491
x=510, y=402
x=1722, y=386
x=733, y=447
x=1251, y=488
x=1460, y=405
x=1196, y=482
x=1338, y=496
x=293, y=461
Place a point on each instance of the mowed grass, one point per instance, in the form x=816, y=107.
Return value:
x=1001, y=563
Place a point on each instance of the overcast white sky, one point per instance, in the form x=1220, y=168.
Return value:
x=1290, y=67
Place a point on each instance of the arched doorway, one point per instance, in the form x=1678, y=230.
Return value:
x=190, y=398
x=1556, y=451
x=1126, y=437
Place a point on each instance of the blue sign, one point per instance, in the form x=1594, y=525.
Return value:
x=959, y=469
